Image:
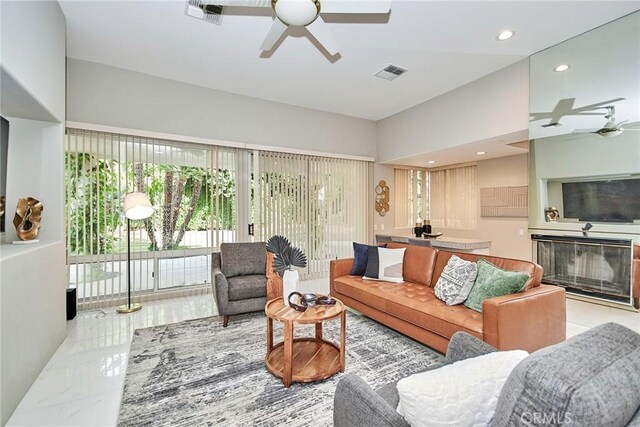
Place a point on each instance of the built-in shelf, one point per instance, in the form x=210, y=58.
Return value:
x=8, y=250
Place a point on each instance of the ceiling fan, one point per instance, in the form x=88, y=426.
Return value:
x=611, y=128
x=307, y=13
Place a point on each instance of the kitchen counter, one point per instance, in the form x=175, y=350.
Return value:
x=444, y=242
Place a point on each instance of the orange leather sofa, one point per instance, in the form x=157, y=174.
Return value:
x=527, y=320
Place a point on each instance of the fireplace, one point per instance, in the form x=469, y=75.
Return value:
x=598, y=268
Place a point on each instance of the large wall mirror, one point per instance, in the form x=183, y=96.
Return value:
x=585, y=132
x=584, y=162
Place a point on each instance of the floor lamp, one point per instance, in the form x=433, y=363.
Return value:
x=136, y=206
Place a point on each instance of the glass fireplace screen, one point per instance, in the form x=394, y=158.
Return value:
x=587, y=267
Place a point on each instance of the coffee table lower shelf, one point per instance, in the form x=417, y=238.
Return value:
x=312, y=359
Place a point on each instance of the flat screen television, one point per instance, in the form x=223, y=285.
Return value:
x=604, y=201
x=4, y=145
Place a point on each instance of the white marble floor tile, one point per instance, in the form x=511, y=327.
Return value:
x=590, y=315
x=82, y=383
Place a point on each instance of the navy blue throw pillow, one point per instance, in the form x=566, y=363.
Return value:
x=360, y=258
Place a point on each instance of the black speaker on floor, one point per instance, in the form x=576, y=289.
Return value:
x=71, y=303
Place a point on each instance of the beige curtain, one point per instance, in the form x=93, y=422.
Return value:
x=453, y=198
x=411, y=196
x=402, y=201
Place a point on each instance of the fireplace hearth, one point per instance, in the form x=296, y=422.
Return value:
x=599, y=268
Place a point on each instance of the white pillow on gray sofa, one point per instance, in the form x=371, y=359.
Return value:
x=464, y=393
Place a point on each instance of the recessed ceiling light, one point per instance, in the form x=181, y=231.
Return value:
x=505, y=35
x=562, y=67
x=480, y=153
x=431, y=162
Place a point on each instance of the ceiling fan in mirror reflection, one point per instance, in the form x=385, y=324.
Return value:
x=611, y=128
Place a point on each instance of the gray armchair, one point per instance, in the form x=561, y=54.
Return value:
x=240, y=278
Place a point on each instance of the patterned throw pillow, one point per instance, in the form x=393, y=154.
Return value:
x=494, y=282
x=389, y=265
x=456, y=280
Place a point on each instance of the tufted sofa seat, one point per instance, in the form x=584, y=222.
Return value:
x=527, y=320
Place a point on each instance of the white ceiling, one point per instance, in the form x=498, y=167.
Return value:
x=500, y=146
x=443, y=45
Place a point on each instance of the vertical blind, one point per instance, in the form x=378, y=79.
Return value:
x=320, y=204
x=193, y=188
x=411, y=189
x=453, y=198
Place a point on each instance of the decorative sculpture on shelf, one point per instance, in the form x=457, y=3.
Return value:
x=382, y=198
x=551, y=214
x=27, y=218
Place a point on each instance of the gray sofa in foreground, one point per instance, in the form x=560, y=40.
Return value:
x=592, y=379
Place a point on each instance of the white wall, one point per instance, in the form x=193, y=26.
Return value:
x=110, y=96
x=31, y=47
x=494, y=105
x=33, y=317
x=33, y=277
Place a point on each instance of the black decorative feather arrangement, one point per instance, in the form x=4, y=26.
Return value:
x=286, y=256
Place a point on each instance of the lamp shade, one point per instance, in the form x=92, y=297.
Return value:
x=137, y=206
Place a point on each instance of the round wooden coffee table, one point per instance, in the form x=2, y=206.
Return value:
x=304, y=359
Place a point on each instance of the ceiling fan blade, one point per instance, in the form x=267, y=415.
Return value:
x=240, y=3
x=320, y=31
x=355, y=6
x=585, y=130
x=278, y=28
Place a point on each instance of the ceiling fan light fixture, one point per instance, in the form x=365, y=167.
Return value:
x=297, y=13
x=562, y=67
x=505, y=35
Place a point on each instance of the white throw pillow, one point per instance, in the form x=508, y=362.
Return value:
x=464, y=393
x=389, y=265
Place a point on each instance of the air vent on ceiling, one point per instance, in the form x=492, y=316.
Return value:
x=391, y=72
x=205, y=11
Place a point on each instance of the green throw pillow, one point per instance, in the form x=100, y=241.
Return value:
x=494, y=282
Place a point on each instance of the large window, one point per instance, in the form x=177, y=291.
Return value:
x=449, y=197
x=193, y=188
x=204, y=195
x=321, y=204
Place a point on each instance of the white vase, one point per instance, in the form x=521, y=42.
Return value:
x=289, y=284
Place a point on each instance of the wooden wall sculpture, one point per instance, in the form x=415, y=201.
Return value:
x=504, y=202
x=382, y=198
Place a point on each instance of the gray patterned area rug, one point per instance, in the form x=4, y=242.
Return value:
x=198, y=373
